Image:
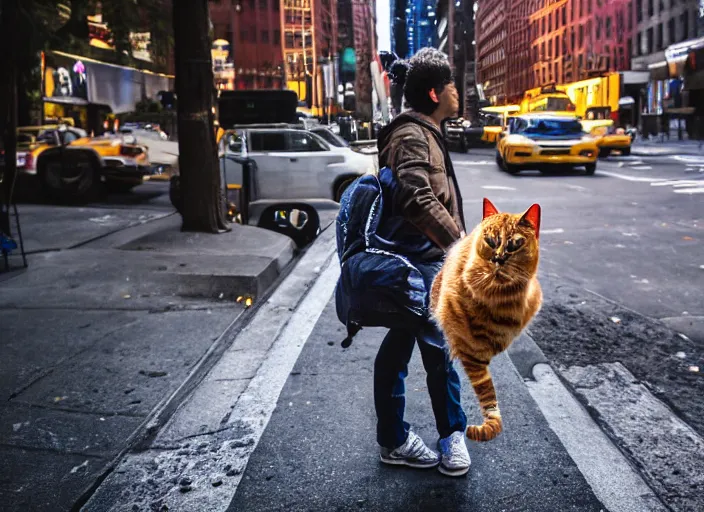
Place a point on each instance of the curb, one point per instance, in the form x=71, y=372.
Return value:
x=147, y=431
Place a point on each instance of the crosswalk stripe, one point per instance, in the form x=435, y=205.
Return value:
x=675, y=183
x=698, y=190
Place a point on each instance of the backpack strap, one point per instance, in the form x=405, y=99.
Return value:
x=352, y=329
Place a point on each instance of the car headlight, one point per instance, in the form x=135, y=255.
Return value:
x=587, y=152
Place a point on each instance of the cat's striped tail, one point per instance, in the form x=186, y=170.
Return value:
x=480, y=377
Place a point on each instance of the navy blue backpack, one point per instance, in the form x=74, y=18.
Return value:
x=378, y=287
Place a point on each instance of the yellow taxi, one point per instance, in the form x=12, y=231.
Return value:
x=545, y=141
x=70, y=164
x=608, y=137
x=496, y=118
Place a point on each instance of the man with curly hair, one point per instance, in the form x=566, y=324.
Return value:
x=428, y=198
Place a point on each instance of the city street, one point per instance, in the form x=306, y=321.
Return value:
x=156, y=357
x=621, y=261
x=286, y=417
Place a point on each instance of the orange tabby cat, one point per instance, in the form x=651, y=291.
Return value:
x=485, y=295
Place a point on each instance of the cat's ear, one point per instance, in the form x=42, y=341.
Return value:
x=531, y=219
x=489, y=209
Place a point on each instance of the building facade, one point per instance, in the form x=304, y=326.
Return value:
x=667, y=34
x=519, y=49
x=364, y=34
x=309, y=41
x=575, y=39
x=413, y=26
x=493, y=48
x=503, y=48
x=399, y=40
x=253, y=30
x=455, y=36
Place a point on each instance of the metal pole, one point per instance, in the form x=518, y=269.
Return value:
x=451, y=31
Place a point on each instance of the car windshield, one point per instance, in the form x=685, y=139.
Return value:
x=549, y=127
x=560, y=104
x=331, y=138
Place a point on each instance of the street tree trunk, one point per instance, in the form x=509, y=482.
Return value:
x=201, y=185
x=8, y=107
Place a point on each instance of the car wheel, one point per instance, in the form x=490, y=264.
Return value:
x=603, y=153
x=626, y=151
x=341, y=187
x=499, y=161
x=510, y=168
x=590, y=168
x=71, y=177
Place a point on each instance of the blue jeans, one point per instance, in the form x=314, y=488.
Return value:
x=391, y=369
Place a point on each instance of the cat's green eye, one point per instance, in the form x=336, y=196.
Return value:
x=515, y=243
x=492, y=242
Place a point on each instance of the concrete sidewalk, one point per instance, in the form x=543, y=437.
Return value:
x=104, y=333
x=670, y=147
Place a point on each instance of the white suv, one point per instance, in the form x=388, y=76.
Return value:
x=292, y=163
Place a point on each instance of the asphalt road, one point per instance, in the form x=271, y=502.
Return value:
x=622, y=269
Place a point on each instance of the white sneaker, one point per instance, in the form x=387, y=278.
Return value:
x=413, y=453
x=454, y=457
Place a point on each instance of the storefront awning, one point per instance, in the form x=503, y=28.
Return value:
x=659, y=71
x=676, y=55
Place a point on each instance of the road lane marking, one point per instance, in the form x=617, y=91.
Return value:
x=497, y=187
x=478, y=162
x=699, y=190
x=689, y=159
x=592, y=451
x=626, y=177
x=675, y=183
x=641, y=168
x=551, y=231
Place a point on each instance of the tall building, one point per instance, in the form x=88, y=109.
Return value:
x=491, y=27
x=522, y=44
x=310, y=41
x=667, y=34
x=518, y=47
x=249, y=35
x=364, y=23
x=413, y=26
x=455, y=35
x=399, y=24
x=576, y=39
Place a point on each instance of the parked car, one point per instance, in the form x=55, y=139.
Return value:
x=545, y=141
x=366, y=147
x=292, y=163
x=455, y=136
x=460, y=134
x=71, y=165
